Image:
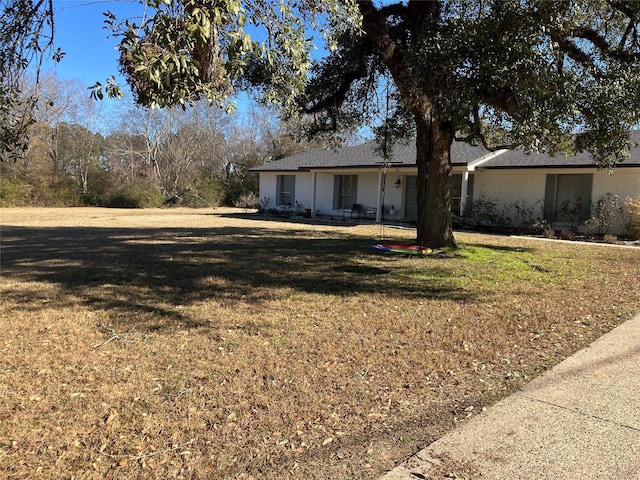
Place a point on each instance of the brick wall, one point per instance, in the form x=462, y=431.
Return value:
x=622, y=181
x=510, y=186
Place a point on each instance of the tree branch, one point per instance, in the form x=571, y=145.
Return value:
x=627, y=32
x=377, y=31
x=393, y=10
x=346, y=80
x=566, y=43
x=601, y=43
x=476, y=133
x=625, y=9
x=567, y=46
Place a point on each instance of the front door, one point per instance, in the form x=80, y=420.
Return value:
x=411, y=198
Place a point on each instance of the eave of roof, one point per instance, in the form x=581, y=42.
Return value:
x=541, y=167
x=517, y=159
x=365, y=156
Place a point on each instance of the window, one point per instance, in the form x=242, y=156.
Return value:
x=568, y=198
x=285, y=190
x=456, y=193
x=345, y=191
x=411, y=197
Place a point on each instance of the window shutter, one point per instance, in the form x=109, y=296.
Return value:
x=293, y=190
x=336, y=192
x=354, y=189
x=278, y=190
x=469, y=199
x=585, y=196
x=550, y=197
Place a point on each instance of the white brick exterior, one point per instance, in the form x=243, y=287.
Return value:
x=508, y=186
x=268, y=189
x=622, y=181
x=303, y=188
x=314, y=190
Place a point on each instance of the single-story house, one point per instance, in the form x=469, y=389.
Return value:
x=332, y=181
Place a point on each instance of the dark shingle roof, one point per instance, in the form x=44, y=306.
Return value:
x=520, y=159
x=365, y=155
x=404, y=155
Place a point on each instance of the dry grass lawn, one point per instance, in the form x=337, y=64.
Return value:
x=198, y=344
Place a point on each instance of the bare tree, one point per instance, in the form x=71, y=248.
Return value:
x=26, y=37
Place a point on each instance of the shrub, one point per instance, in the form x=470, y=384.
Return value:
x=99, y=187
x=519, y=215
x=299, y=209
x=524, y=216
x=609, y=215
x=567, y=234
x=238, y=185
x=136, y=195
x=633, y=219
x=206, y=192
x=542, y=226
x=62, y=192
x=45, y=188
x=264, y=203
x=14, y=192
x=247, y=200
x=571, y=212
x=609, y=238
x=484, y=212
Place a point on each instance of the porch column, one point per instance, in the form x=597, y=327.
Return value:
x=314, y=182
x=463, y=191
x=379, y=201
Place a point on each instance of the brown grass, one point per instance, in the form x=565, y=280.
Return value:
x=186, y=344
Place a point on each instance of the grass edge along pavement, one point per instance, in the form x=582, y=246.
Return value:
x=179, y=343
x=587, y=403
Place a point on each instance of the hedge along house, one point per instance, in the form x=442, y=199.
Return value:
x=332, y=181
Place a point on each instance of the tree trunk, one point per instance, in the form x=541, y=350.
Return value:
x=433, y=136
x=433, y=142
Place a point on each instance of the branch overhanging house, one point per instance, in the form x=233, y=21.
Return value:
x=356, y=181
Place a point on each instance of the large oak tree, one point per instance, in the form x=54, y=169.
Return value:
x=561, y=76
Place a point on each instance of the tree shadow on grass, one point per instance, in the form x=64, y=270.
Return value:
x=503, y=248
x=147, y=272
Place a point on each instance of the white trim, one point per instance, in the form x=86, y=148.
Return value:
x=463, y=191
x=314, y=183
x=379, y=200
x=471, y=166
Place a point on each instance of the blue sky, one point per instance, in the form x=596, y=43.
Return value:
x=90, y=51
x=89, y=55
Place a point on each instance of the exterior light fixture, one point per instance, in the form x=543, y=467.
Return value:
x=397, y=184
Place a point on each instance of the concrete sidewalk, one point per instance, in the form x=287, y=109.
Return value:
x=580, y=420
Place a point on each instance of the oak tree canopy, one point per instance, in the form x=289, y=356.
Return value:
x=561, y=76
